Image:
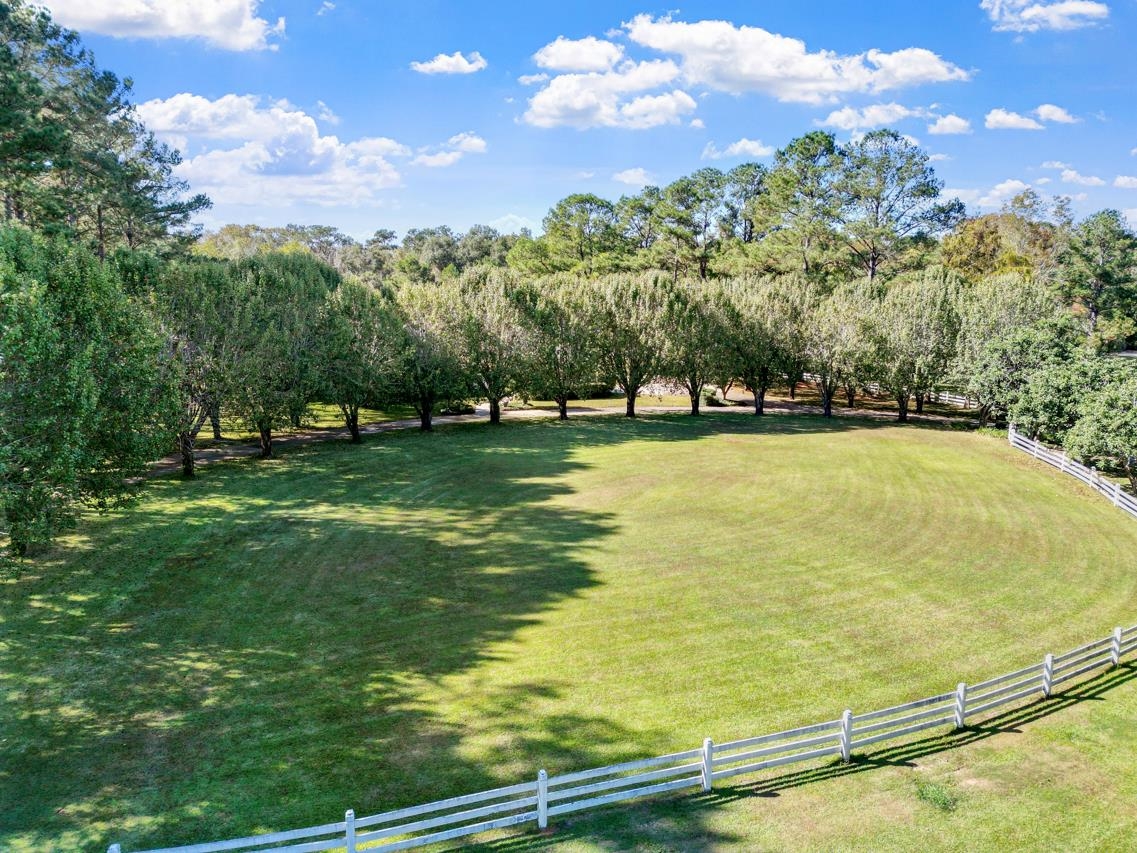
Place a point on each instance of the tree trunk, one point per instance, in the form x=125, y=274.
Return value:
x=562, y=408
x=294, y=419
x=851, y=396
x=902, y=404
x=351, y=415
x=760, y=401
x=266, y=441
x=630, y=410
x=215, y=420
x=793, y=390
x=495, y=411
x=919, y=404
x=695, y=404
x=424, y=418
x=826, y=402
x=185, y=445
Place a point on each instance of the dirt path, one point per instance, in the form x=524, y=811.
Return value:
x=207, y=455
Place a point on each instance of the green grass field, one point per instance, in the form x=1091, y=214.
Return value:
x=427, y=615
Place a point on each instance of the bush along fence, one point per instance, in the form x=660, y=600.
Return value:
x=544, y=797
x=1075, y=469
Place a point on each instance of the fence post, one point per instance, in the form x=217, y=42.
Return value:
x=960, y=705
x=846, y=735
x=1115, y=647
x=1047, y=675
x=542, y=799
x=708, y=763
x=349, y=832
x=1116, y=494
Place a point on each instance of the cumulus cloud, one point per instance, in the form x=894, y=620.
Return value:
x=451, y=152
x=512, y=223
x=609, y=99
x=326, y=113
x=949, y=124
x=1125, y=182
x=1002, y=192
x=227, y=24
x=325, y=7
x=938, y=158
x=586, y=54
x=247, y=150
x=1050, y=112
x=1000, y=119
x=1071, y=176
x=1055, y=164
x=637, y=177
x=451, y=63
x=532, y=79
x=697, y=123
x=742, y=148
x=1033, y=15
x=875, y=115
x=737, y=59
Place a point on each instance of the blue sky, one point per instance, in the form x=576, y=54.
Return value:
x=369, y=114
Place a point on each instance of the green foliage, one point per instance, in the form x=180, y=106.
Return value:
x=85, y=387
x=563, y=341
x=74, y=158
x=276, y=372
x=937, y=795
x=889, y=197
x=630, y=333
x=1099, y=272
x=1050, y=403
x=432, y=373
x=1106, y=429
x=360, y=347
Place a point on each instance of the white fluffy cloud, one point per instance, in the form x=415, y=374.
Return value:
x=249, y=151
x=1125, y=182
x=228, y=24
x=1050, y=112
x=736, y=59
x=532, y=79
x=742, y=148
x=1033, y=15
x=1000, y=119
x=451, y=152
x=451, y=63
x=609, y=99
x=1002, y=192
x=1071, y=176
x=637, y=177
x=586, y=54
x=949, y=124
x=875, y=115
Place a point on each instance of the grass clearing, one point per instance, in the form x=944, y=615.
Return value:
x=427, y=615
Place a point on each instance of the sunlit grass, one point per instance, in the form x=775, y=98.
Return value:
x=428, y=615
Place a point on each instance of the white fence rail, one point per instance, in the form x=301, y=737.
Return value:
x=1066, y=465
x=535, y=802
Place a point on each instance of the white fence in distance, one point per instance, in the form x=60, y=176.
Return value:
x=544, y=797
x=1066, y=465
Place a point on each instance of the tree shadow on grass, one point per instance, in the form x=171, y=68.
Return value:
x=262, y=648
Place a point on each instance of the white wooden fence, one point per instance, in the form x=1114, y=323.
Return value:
x=544, y=797
x=1075, y=469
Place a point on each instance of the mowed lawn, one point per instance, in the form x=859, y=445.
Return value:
x=429, y=615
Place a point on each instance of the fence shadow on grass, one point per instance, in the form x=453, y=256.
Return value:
x=671, y=821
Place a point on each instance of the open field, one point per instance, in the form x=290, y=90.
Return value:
x=428, y=615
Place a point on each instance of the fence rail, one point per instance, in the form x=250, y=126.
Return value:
x=535, y=802
x=1117, y=496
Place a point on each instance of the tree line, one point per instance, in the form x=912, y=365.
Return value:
x=110, y=364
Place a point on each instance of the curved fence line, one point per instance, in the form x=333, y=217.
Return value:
x=1117, y=496
x=544, y=797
